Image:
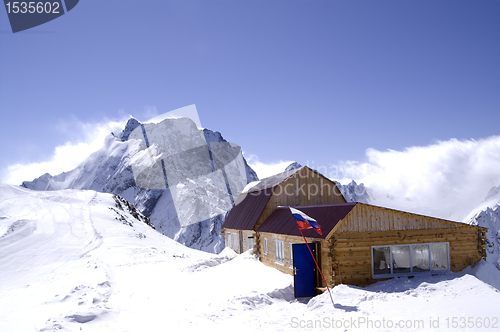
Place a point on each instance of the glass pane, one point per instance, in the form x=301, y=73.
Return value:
x=420, y=258
x=401, y=259
x=381, y=260
x=282, y=251
x=439, y=253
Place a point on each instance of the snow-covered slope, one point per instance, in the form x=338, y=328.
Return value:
x=75, y=260
x=110, y=170
x=58, y=250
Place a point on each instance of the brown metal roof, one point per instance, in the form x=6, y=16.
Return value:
x=244, y=215
x=281, y=221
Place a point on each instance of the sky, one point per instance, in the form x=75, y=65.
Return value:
x=354, y=85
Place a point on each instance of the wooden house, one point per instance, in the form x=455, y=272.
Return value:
x=301, y=186
x=360, y=244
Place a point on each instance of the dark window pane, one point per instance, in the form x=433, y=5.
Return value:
x=381, y=260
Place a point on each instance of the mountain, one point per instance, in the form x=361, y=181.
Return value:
x=292, y=166
x=493, y=194
x=206, y=176
x=354, y=192
x=490, y=218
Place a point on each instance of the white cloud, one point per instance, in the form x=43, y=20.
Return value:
x=86, y=138
x=446, y=179
x=264, y=170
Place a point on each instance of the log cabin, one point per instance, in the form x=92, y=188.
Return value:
x=360, y=243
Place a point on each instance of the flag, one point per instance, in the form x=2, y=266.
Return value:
x=304, y=221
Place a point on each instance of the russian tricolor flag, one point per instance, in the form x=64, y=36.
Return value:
x=304, y=221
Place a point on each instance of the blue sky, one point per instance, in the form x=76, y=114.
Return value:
x=319, y=82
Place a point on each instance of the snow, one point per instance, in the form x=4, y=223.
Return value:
x=487, y=272
x=489, y=218
x=76, y=260
x=183, y=112
x=411, y=303
x=249, y=186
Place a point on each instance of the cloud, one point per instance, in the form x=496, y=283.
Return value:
x=446, y=179
x=85, y=138
x=264, y=170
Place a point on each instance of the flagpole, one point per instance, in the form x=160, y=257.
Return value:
x=307, y=244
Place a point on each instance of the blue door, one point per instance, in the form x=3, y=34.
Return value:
x=303, y=270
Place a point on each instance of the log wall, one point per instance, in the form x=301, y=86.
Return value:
x=245, y=236
x=369, y=218
x=352, y=256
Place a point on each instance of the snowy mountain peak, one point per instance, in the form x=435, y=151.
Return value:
x=354, y=192
x=490, y=218
x=129, y=127
x=292, y=166
x=494, y=191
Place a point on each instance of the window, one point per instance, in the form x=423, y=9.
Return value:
x=265, y=246
x=440, y=257
x=235, y=241
x=381, y=260
x=401, y=259
x=280, y=252
x=410, y=259
x=290, y=247
x=250, y=243
x=420, y=258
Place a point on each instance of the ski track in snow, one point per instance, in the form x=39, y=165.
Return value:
x=70, y=263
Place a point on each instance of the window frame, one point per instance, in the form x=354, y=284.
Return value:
x=235, y=242
x=279, y=253
x=290, y=248
x=411, y=273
